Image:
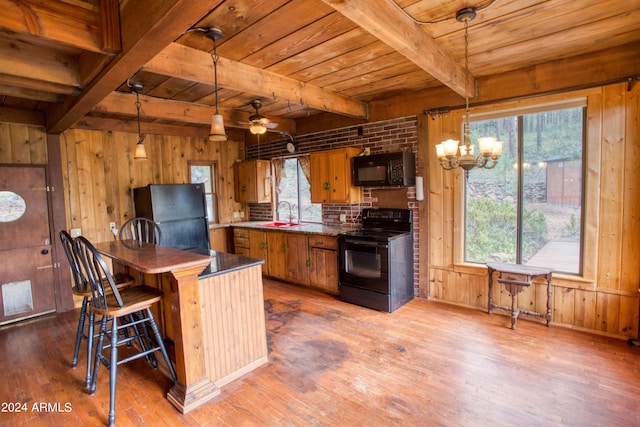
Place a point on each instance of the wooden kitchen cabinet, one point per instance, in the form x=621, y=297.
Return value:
x=305, y=259
x=251, y=243
x=323, y=264
x=252, y=181
x=276, y=255
x=297, y=258
x=331, y=176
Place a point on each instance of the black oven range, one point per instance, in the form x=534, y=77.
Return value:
x=376, y=262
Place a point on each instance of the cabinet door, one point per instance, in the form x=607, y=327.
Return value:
x=277, y=249
x=339, y=166
x=242, y=182
x=324, y=269
x=252, y=183
x=263, y=181
x=297, y=258
x=258, y=247
x=320, y=185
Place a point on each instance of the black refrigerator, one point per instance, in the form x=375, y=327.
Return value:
x=180, y=212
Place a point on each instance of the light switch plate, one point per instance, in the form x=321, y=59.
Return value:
x=343, y=217
x=75, y=232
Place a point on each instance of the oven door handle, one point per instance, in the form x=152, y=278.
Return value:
x=362, y=243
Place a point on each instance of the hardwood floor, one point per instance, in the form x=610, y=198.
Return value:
x=333, y=363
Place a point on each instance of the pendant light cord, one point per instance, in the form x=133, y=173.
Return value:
x=138, y=108
x=467, y=131
x=215, y=57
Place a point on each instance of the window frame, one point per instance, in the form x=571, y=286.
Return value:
x=276, y=208
x=213, y=176
x=589, y=98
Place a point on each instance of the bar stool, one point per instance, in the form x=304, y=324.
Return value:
x=82, y=289
x=132, y=306
x=140, y=229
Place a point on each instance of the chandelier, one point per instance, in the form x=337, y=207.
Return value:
x=450, y=153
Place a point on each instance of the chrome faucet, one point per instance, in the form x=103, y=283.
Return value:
x=290, y=214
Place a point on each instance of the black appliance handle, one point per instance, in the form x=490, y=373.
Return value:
x=364, y=243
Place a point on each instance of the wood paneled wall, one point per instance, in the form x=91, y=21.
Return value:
x=23, y=144
x=100, y=173
x=606, y=297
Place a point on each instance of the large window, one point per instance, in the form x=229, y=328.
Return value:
x=294, y=190
x=528, y=209
x=204, y=173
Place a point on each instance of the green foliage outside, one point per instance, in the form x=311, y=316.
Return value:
x=491, y=231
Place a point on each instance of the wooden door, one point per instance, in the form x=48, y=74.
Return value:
x=26, y=270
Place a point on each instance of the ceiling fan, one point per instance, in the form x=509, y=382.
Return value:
x=259, y=123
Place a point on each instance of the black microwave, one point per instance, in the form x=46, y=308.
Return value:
x=397, y=169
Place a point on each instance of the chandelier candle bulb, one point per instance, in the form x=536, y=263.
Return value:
x=450, y=147
x=487, y=145
x=497, y=150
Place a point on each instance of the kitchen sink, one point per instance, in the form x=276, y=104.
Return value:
x=280, y=224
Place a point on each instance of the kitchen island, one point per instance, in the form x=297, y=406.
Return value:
x=213, y=312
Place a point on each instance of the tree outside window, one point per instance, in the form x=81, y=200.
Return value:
x=528, y=209
x=294, y=188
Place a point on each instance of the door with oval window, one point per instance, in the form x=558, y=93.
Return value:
x=26, y=273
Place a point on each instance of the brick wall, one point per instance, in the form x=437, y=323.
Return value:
x=400, y=134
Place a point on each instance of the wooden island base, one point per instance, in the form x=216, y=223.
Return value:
x=233, y=332
x=212, y=311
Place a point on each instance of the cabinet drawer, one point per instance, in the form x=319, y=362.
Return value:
x=519, y=279
x=242, y=251
x=325, y=242
x=240, y=242
x=240, y=232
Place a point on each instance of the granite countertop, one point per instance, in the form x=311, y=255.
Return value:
x=223, y=262
x=309, y=228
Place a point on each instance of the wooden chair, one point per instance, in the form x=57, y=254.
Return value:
x=140, y=229
x=131, y=305
x=81, y=288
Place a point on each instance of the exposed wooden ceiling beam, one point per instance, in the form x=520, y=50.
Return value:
x=23, y=60
x=117, y=125
x=390, y=25
x=196, y=65
x=147, y=27
x=15, y=115
x=75, y=25
x=124, y=103
x=21, y=92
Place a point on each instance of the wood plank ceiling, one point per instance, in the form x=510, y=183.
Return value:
x=70, y=60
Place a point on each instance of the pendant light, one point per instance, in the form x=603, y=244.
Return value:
x=140, y=153
x=217, y=122
x=490, y=148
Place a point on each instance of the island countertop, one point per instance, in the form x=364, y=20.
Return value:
x=223, y=262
